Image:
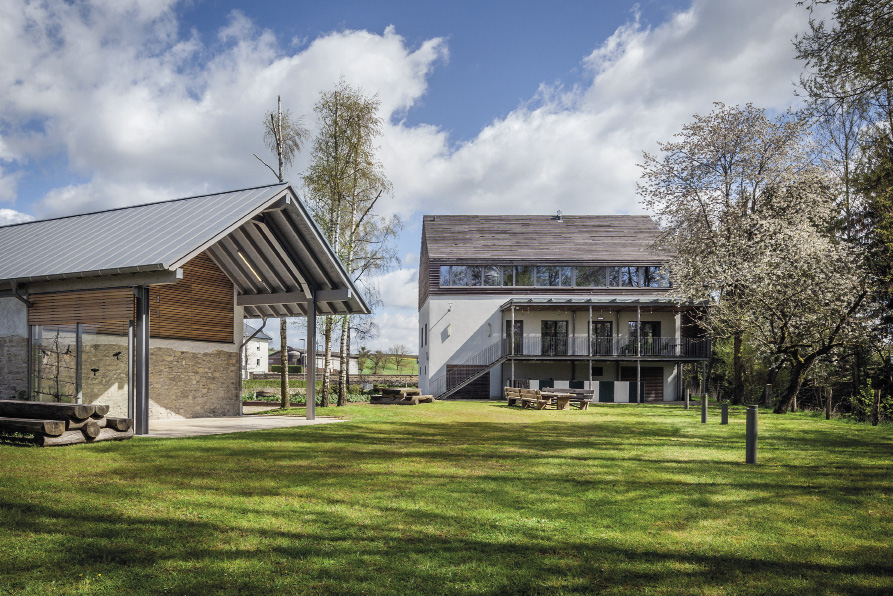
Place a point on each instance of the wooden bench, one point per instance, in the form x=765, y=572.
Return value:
x=513, y=396
x=533, y=398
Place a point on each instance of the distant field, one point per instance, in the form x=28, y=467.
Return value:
x=459, y=498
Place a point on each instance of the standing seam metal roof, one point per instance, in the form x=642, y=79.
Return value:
x=286, y=245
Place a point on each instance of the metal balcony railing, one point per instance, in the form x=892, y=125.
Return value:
x=670, y=347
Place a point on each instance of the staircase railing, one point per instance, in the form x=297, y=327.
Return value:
x=461, y=374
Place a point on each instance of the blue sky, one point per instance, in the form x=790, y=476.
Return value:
x=496, y=107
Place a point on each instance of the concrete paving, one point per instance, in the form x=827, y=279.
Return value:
x=196, y=427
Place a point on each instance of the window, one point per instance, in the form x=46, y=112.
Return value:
x=547, y=276
x=590, y=277
x=444, y=275
x=598, y=371
x=602, y=338
x=492, y=275
x=565, y=276
x=458, y=275
x=508, y=276
x=613, y=276
x=653, y=278
x=629, y=277
x=554, y=338
x=475, y=275
x=258, y=361
x=523, y=275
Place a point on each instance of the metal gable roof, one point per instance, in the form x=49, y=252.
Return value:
x=262, y=238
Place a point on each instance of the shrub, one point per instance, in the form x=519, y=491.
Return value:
x=292, y=368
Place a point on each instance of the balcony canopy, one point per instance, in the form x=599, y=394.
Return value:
x=613, y=304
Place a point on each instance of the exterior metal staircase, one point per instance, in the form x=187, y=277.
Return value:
x=459, y=375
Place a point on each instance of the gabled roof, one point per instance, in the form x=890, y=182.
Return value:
x=248, y=330
x=263, y=239
x=543, y=238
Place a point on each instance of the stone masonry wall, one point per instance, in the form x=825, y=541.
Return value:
x=13, y=366
x=193, y=384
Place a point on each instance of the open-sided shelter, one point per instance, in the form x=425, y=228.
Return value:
x=142, y=307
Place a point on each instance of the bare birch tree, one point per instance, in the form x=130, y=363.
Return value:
x=344, y=183
x=284, y=135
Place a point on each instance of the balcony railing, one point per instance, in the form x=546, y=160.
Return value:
x=665, y=347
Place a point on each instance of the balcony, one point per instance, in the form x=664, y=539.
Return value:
x=611, y=347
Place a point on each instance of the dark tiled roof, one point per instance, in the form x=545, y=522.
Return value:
x=543, y=238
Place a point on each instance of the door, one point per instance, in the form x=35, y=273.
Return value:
x=652, y=376
x=554, y=338
x=602, y=336
x=650, y=336
x=514, y=338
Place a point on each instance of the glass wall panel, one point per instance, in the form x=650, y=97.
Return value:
x=547, y=276
x=492, y=275
x=629, y=276
x=523, y=275
x=54, y=373
x=475, y=275
x=613, y=276
x=104, y=365
x=590, y=277
x=508, y=276
x=444, y=275
x=566, y=276
x=458, y=275
x=652, y=278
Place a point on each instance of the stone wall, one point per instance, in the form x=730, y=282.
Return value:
x=13, y=347
x=193, y=381
x=13, y=366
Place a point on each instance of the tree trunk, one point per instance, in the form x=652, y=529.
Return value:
x=328, y=328
x=344, y=361
x=876, y=409
x=799, y=368
x=283, y=353
x=738, y=368
x=828, y=404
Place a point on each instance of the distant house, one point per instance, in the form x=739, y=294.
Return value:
x=550, y=301
x=300, y=357
x=255, y=353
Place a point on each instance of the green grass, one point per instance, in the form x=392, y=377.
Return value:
x=459, y=498
x=407, y=367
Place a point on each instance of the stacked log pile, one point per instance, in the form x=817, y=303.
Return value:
x=52, y=424
x=401, y=396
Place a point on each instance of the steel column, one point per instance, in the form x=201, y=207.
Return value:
x=589, y=351
x=141, y=410
x=130, y=376
x=78, y=363
x=639, y=398
x=512, y=343
x=311, y=356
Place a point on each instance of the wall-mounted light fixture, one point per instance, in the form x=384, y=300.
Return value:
x=448, y=330
x=489, y=330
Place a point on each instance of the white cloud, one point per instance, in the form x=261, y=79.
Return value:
x=10, y=216
x=143, y=111
x=396, y=328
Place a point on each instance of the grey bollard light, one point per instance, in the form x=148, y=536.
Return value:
x=751, y=450
x=704, y=409
x=768, y=394
x=724, y=416
x=687, y=396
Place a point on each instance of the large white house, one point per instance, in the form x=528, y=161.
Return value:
x=550, y=301
x=255, y=352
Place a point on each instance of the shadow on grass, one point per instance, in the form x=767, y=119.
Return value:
x=398, y=504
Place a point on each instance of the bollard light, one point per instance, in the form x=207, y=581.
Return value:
x=724, y=416
x=751, y=440
x=687, y=396
x=704, y=409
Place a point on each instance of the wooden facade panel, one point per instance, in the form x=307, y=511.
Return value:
x=198, y=307
x=89, y=306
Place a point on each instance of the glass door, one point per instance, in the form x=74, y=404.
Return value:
x=554, y=338
x=515, y=340
x=602, y=336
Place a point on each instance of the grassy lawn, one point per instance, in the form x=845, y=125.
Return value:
x=459, y=498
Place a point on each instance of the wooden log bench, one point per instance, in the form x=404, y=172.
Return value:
x=513, y=396
x=51, y=424
x=533, y=398
x=400, y=396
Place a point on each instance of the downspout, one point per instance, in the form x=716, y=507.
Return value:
x=242, y=358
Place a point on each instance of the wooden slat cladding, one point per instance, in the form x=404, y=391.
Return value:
x=580, y=239
x=198, y=307
x=93, y=306
x=424, y=272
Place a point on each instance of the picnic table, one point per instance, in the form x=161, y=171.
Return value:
x=564, y=399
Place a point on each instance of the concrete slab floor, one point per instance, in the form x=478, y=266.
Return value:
x=196, y=427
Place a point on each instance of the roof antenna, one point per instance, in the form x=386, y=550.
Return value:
x=558, y=217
